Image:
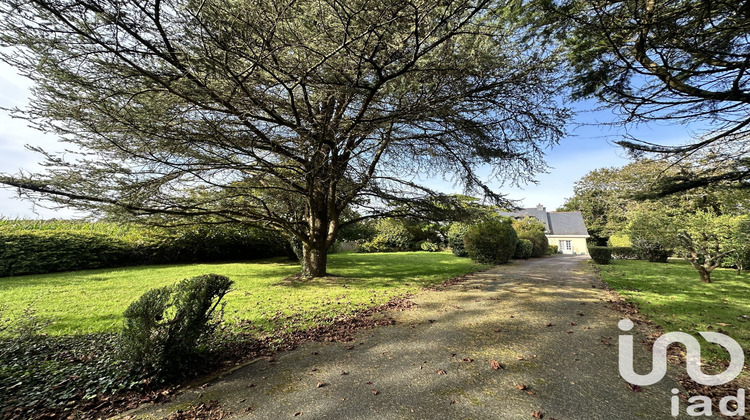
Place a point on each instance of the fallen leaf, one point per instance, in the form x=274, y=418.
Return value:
x=635, y=388
x=549, y=324
x=573, y=324
x=440, y=372
x=468, y=359
x=344, y=373
x=522, y=387
x=723, y=324
x=320, y=384
x=537, y=414
x=495, y=365
x=368, y=383
x=569, y=331
x=374, y=391
x=297, y=414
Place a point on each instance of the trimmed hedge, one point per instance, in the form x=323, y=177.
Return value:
x=491, y=242
x=600, y=254
x=68, y=246
x=624, y=253
x=524, y=249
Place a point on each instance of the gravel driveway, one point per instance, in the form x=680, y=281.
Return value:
x=546, y=324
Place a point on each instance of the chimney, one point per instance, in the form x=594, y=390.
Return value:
x=540, y=207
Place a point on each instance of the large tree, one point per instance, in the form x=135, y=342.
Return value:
x=280, y=114
x=683, y=61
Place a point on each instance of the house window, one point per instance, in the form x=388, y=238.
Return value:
x=566, y=246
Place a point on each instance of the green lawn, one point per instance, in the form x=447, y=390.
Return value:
x=92, y=301
x=673, y=296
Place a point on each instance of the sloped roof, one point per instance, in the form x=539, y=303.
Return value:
x=555, y=222
x=566, y=223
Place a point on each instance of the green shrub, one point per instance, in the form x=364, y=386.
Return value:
x=533, y=230
x=539, y=243
x=552, y=249
x=45, y=251
x=491, y=241
x=392, y=235
x=456, y=239
x=624, y=253
x=35, y=247
x=651, y=251
x=524, y=248
x=429, y=246
x=163, y=328
x=600, y=254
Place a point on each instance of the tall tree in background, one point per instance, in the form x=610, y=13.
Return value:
x=680, y=61
x=279, y=114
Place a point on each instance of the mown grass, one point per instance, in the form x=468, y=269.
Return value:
x=673, y=296
x=264, y=299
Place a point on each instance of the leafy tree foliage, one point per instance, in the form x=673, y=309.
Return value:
x=657, y=60
x=278, y=114
x=607, y=197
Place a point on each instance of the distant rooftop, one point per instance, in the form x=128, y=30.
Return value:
x=555, y=222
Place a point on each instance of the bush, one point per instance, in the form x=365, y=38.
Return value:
x=429, y=246
x=552, y=249
x=36, y=247
x=651, y=251
x=533, y=230
x=600, y=254
x=163, y=328
x=624, y=253
x=456, y=239
x=491, y=242
x=539, y=242
x=45, y=251
x=392, y=235
x=524, y=248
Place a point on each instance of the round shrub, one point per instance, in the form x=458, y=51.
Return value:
x=524, y=247
x=491, y=241
x=429, y=246
x=552, y=249
x=456, y=239
x=600, y=254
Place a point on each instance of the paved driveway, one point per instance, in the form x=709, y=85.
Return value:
x=546, y=322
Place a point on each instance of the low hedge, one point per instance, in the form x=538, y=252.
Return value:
x=79, y=247
x=624, y=253
x=600, y=254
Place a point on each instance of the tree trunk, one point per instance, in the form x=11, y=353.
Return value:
x=314, y=261
x=704, y=273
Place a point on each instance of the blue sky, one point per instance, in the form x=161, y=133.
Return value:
x=589, y=146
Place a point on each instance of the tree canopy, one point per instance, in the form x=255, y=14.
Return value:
x=280, y=114
x=681, y=61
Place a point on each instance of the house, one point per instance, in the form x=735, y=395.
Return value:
x=565, y=229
